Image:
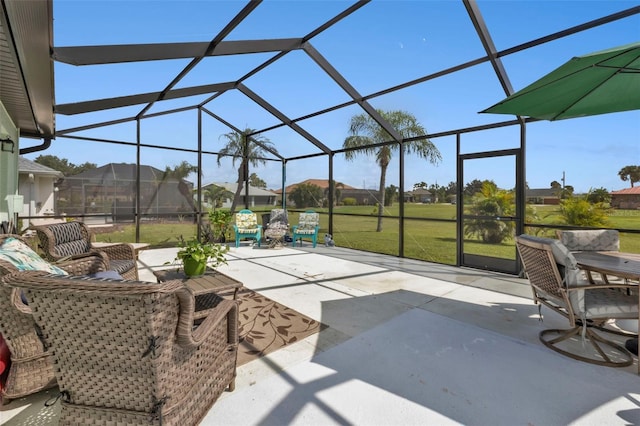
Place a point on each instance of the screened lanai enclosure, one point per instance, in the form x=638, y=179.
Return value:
x=112, y=191
x=367, y=112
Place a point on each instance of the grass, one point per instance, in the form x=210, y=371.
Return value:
x=433, y=239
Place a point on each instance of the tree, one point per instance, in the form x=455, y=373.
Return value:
x=491, y=201
x=249, y=150
x=474, y=187
x=630, y=173
x=598, y=195
x=180, y=173
x=337, y=192
x=390, y=195
x=365, y=131
x=567, y=191
x=439, y=193
x=560, y=191
x=420, y=185
x=216, y=195
x=63, y=165
x=256, y=182
x=306, y=195
x=451, y=188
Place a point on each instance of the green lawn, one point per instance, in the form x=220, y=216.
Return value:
x=355, y=227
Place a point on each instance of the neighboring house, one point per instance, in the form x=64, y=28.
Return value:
x=324, y=185
x=111, y=189
x=547, y=196
x=628, y=198
x=363, y=197
x=419, y=195
x=257, y=196
x=36, y=185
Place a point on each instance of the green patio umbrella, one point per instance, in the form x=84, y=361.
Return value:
x=597, y=83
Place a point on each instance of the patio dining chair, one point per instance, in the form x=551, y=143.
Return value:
x=31, y=367
x=307, y=227
x=557, y=283
x=246, y=227
x=129, y=352
x=69, y=239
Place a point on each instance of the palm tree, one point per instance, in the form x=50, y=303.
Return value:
x=180, y=173
x=336, y=191
x=249, y=150
x=216, y=195
x=365, y=131
x=491, y=201
x=630, y=173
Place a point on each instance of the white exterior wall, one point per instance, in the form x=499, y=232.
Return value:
x=8, y=162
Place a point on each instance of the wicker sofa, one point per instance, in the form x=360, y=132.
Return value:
x=130, y=353
x=31, y=367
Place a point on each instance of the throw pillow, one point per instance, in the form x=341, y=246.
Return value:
x=24, y=258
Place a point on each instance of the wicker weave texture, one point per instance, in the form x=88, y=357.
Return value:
x=31, y=367
x=128, y=352
x=541, y=268
x=60, y=240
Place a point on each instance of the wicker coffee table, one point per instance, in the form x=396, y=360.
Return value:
x=206, y=288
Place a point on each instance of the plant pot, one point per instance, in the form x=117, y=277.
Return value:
x=193, y=268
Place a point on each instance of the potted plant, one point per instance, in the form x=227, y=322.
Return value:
x=196, y=256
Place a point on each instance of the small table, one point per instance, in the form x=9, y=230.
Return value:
x=206, y=288
x=619, y=264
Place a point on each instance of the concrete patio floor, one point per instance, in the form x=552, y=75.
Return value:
x=407, y=342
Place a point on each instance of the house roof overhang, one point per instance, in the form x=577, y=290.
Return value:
x=26, y=68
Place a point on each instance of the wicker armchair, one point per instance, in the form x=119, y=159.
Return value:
x=61, y=240
x=31, y=367
x=130, y=353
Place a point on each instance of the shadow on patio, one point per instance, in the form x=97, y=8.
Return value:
x=402, y=347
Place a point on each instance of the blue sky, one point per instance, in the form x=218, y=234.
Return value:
x=381, y=45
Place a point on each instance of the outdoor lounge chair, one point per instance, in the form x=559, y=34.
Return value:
x=31, y=366
x=246, y=226
x=129, y=352
x=307, y=227
x=62, y=240
x=557, y=283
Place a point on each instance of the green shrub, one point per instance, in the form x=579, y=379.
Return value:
x=349, y=201
x=579, y=212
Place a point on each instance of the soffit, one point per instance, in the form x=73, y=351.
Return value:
x=26, y=70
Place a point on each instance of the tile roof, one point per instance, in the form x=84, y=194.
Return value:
x=627, y=191
x=322, y=183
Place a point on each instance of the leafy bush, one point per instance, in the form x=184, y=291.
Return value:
x=349, y=201
x=598, y=195
x=579, y=212
x=491, y=201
